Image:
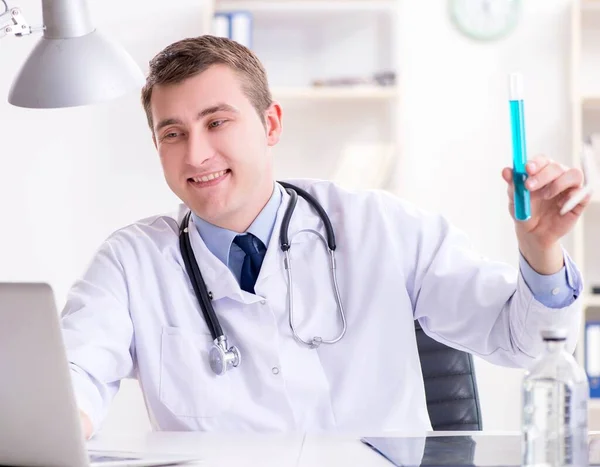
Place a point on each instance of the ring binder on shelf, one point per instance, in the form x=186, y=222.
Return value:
x=235, y=25
x=592, y=356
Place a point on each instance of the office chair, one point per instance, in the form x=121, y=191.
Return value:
x=450, y=385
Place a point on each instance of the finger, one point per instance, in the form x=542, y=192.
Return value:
x=511, y=209
x=536, y=164
x=574, y=200
x=510, y=190
x=570, y=195
x=507, y=174
x=579, y=207
x=578, y=210
x=545, y=176
x=572, y=178
x=565, y=196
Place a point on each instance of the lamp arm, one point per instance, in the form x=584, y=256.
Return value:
x=12, y=22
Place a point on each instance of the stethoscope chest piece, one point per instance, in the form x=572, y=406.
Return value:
x=222, y=358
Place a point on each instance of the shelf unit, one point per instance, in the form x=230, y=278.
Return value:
x=304, y=44
x=590, y=102
x=585, y=115
x=589, y=6
x=311, y=6
x=361, y=93
x=592, y=300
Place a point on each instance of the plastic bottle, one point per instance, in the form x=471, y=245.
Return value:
x=555, y=395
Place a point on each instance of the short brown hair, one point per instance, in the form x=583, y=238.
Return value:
x=192, y=56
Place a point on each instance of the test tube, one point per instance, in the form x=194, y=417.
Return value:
x=517, y=123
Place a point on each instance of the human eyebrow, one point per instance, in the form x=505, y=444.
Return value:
x=167, y=122
x=216, y=108
x=203, y=113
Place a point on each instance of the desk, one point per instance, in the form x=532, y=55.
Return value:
x=288, y=450
x=215, y=449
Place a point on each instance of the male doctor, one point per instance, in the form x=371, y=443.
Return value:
x=134, y=312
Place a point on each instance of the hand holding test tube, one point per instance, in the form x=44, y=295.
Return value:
x=517, y=122
x=540, y=192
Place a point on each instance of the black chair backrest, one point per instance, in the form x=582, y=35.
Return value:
x=450, y=385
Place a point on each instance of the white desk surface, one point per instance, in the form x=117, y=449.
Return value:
x=260, y=450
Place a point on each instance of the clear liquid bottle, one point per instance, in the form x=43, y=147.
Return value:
x=555, y=395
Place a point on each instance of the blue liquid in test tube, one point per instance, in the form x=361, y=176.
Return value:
x=519, y=148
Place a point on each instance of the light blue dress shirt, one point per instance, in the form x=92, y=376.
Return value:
x=554, y=291
x=220, y=241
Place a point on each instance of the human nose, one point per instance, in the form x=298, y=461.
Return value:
x=199, y=150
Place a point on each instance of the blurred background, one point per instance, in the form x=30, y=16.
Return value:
x=404, y=95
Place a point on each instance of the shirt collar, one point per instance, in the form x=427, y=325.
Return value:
x=218, y=240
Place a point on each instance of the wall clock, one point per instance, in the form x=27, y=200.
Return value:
x=485, y=20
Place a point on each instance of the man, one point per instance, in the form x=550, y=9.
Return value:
x=134, y=312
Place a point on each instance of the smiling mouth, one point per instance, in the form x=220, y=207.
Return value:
x=209, y=179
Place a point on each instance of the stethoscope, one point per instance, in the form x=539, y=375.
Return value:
x=221, y=356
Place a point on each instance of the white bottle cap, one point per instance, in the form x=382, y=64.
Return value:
x=515, y=86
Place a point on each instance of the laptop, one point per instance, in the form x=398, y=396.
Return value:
x=39, y=418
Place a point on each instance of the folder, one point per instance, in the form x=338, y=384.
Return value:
x=235, y=25
x=241, y=28
x=592, y=356
x=221, y=25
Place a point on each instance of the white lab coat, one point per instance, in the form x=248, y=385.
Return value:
x=134, y=314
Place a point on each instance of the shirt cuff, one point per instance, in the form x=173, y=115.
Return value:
x=82, y=393
x=554, y=290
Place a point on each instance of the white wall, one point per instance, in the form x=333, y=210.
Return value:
x=456, y=135
x=70, y=177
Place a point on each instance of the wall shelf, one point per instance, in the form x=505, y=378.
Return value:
x=316, y=6
x=592, y=300
x=590, y=5
x=335, y=93
x=301, y=42
x=591, y=102
x=585, y=121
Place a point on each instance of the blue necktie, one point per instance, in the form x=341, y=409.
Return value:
x=255, y=253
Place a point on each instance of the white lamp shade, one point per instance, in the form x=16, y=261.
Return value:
x=74, y=71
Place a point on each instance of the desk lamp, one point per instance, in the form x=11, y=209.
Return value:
x=72, y=64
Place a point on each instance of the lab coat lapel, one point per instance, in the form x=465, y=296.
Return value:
x=220, y=281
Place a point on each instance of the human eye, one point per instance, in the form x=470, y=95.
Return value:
x=171, y=135
x=215, y=124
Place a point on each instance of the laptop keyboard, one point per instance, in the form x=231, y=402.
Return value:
x=100, y=458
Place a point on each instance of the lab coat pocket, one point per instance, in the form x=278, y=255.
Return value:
x=188, y=387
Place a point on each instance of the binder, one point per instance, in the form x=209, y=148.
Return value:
x=592, y=356
x=241, y=28
x=221, y=25
x=235, y=25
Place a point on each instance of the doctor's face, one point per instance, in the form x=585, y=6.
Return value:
x=214, y=148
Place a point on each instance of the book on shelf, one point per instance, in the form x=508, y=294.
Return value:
x=592, y=356
x=235, y=25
